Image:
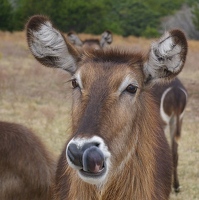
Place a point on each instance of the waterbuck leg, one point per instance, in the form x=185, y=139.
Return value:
x=175, y=127
x=176, y=184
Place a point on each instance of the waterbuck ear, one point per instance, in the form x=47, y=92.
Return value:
x=166, y=57
x=106, y=38
x=74, y=39
x=49, y=46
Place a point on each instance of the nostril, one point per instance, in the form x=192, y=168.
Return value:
x=75, y=155
x=93, y=160
x=96, y=144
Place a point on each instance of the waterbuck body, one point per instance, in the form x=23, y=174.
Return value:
x=117, y=148
x=172, y=100
x=27, y=169
x=106, y=39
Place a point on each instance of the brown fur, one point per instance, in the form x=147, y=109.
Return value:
x=127, y=123
x=147, y=174
x=26, y=167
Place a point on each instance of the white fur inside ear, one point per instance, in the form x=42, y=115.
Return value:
x=106, y=39
x=164, y=54
x=75, y=39
x=48, y=42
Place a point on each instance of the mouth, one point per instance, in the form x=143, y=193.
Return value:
x=95, y=174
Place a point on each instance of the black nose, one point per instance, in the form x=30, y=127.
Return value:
x=89, y=157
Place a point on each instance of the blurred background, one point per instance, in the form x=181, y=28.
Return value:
x=40, y=98
x=146, y=18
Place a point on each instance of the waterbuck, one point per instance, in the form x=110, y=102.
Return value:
x=172, y=100
x=27, y=169
x=117, y=148
x=106, y=39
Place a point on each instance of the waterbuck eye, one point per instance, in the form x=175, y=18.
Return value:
x=131, y=89
x=74, y=83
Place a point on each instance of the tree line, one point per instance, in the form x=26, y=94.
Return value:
x=127, y=17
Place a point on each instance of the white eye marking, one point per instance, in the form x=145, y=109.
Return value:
x=127, y=81
x=77, y=76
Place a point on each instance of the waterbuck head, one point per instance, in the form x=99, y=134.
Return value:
x=112, y=107
x=106, y=39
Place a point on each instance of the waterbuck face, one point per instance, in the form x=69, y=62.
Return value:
x=109, y=94
x=105, y=105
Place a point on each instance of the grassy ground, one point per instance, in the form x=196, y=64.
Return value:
x=40, y=98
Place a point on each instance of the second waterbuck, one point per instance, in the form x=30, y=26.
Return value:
x=106, y=40
x=172, y=100
x=117, y=148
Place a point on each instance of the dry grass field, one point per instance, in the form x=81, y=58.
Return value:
x=40, y=98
